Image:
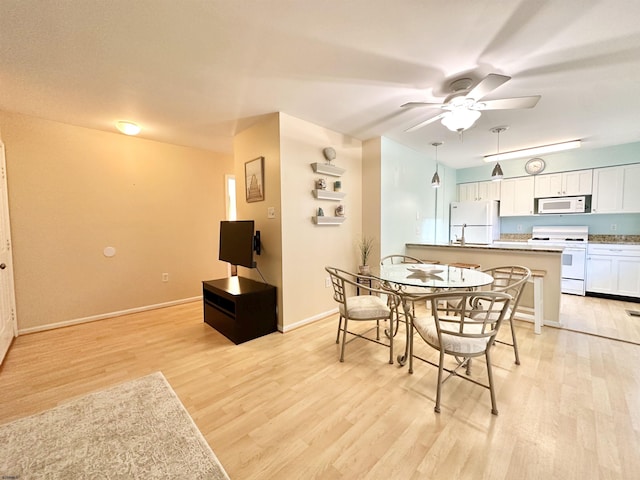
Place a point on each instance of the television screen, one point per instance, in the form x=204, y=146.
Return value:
x=237, y=242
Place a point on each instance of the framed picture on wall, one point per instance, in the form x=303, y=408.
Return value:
x=254, y=179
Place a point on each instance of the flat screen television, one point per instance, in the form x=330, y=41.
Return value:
x=238, y=242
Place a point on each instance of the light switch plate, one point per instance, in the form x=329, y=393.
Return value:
x=271, y=212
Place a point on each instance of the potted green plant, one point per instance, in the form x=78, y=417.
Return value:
x=365, y=245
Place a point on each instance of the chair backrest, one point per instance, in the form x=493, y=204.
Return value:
x=469, y=314
x=398, y=259
x=509, y=279
x=338, y=283
x=343, y=282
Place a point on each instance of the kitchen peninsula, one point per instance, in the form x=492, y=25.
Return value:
x=547, y=259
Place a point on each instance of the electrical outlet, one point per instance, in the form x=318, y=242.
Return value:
x=327, y=282
x=614, y=227
x=519, y=228
x=165, y=277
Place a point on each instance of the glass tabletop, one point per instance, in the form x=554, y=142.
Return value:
x=433, y=276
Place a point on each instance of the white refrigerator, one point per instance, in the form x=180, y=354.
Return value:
x=481, y=220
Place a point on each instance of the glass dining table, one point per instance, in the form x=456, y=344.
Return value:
x=408, y=280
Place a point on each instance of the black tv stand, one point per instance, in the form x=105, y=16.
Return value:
x=240, y=308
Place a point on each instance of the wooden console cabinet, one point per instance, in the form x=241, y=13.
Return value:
x=240, y=308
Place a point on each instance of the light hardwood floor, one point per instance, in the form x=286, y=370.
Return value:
x=599, y=316
x=284, y=407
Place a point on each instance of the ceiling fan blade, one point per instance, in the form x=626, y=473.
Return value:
x=487, y=85
x=509, y=103
x=426, y=122
x=421, y=104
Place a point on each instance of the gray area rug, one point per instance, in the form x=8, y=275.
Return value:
x=138, y=429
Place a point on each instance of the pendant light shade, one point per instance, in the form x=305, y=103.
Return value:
x=496, y=174
x=435, y=180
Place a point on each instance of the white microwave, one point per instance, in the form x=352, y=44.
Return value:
x=562, y=205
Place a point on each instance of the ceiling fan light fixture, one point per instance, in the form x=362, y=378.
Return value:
x=128, y=128
x=534, y=151
x=460, y=119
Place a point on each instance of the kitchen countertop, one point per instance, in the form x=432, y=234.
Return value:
x=543, y=258
x=501, y=245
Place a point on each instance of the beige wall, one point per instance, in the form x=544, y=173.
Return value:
x=262, y=140
x=307, y=248
x=74, y=191
x=372, y=191
x=295, y=249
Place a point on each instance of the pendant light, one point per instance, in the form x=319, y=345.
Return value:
x=435, y=180
x=496, y=174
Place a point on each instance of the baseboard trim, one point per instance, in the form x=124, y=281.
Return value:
x=609, y=296
x=103, y=316
x=307, y=321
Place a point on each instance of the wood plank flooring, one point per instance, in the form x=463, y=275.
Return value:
x=600, y=316
x=284, y=407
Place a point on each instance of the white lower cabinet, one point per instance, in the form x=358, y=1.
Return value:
x=613, y=269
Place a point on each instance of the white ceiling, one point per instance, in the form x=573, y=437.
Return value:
x=195, y=72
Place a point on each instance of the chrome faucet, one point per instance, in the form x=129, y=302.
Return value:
x=461, y=240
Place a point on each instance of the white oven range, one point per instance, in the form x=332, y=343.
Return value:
x=574, y=241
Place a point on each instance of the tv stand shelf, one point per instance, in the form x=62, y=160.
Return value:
x=240, y=308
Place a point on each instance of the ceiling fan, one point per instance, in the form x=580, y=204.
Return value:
x=463, y=107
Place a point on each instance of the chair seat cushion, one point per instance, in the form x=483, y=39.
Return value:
x=365, y=307
x=426, y=327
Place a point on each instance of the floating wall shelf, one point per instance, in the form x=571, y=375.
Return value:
x=327, y=220
x=327, y=169
x=328, y=194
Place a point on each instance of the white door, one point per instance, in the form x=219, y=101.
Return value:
x=8, y=327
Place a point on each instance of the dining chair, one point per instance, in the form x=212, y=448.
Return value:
x=462, y=324
x=396, y=259
x=510, y=279
x=368, y=306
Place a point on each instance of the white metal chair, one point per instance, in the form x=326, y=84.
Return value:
x=367, y=307
x=510, y=279
x=396, y=259
x=462, y=324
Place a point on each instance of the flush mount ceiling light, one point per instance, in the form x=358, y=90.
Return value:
x=128, y=128
x=435, y=180
x=527, y=152
x=496, y=173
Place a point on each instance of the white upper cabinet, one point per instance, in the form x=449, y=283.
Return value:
x=489, y=190
x=631, y=188
x=616, y=189
x=516, y=197
x=579, y=182
x=467, y=192
x=478, y=191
